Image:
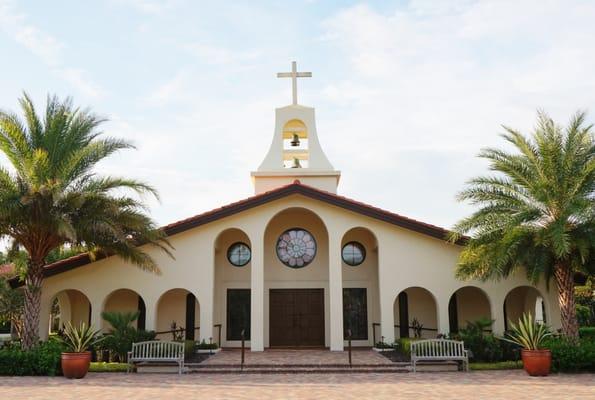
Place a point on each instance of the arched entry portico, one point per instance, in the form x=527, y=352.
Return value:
x=178, y=313
x=524, y=299
x=69, y=305
x=233, y=268
x=468, y=304
x=416, y=313
x=361, y=301
x=125, y=300
x=296, y=280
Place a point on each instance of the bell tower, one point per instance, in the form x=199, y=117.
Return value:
x=295, y=152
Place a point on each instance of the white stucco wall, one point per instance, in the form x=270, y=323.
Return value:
x=404, y=259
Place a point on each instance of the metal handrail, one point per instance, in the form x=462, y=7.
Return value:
x=243, y=350
x=175, y=330
x=349, y=346
x=423, y=329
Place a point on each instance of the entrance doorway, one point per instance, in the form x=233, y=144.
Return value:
x=296, y=317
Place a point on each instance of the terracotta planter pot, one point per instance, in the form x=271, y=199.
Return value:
x=537, y=362
x=75, y=365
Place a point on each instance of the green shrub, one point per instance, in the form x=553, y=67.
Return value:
x=203, y=345
x=496, y=365
x=585, y=303
x=571, y=356
x=108, y=367
x=120, y=338
x=404, y=345
x=119, y=343
x=189, y=348
x=587, y=332
x=583, y=315
x=483, y=346
x=43, y=359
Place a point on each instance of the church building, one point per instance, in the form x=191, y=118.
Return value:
x=295, y=265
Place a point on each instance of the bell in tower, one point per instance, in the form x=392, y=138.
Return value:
x=295, y=153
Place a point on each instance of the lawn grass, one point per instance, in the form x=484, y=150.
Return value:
x=108, y=367
x=496, y=365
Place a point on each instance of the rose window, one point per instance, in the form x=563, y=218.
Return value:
x=296, y=248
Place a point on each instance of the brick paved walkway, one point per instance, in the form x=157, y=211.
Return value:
x=451, y=385
x=293, y=357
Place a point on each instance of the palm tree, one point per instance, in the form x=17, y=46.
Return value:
x=537, y=212
x=51, y=196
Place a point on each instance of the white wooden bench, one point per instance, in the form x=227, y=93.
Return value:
x=439, y=350
x=157, y=351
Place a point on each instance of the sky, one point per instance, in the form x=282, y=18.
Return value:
x=406, y=92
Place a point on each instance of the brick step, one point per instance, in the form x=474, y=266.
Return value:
x=297, y=368
x=236, y=365
x=249, y=370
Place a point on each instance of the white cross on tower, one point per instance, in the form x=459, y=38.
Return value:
x=294, y=75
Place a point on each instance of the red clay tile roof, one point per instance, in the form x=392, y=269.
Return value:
x=294, y=188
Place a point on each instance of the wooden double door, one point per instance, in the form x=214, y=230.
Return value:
x=296, y=318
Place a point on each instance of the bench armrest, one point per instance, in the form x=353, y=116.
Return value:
x=129, y=354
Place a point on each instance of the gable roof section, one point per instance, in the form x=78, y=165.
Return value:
x=251, y=202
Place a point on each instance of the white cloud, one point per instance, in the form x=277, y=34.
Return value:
x=405, y=96
x=173, y=88
x=43, y=45
x=429, y=83
x=15, y=24
x=148, y=6
x=219, y=55
x=76, y=77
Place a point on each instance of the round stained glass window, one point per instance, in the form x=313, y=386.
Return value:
x=353, y=253
x=239, y=254
x=296, y=248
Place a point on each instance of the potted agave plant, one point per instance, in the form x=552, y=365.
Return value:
x=75, y=362
x=530, y=335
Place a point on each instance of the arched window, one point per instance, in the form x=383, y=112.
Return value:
x=296, y=248
x=353, y=253
x=239, y=254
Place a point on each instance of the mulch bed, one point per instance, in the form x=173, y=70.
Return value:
x=396, y=356
x=196, y=358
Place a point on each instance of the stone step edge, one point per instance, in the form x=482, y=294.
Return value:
x=298, y=371
x=202, y=365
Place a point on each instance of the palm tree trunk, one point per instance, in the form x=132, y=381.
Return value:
x=565, y=282
x=32, y=293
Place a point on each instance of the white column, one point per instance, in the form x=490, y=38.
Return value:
x=44, y=318
x=206, y=300
x=150, y=313
x=387, y=317
x=497, y=311
x=96, y=310
x=257, y=293
x=335, y=276
x=442, y=313
x=387, y=294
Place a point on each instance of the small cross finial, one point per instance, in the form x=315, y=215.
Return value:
x=294, y=75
